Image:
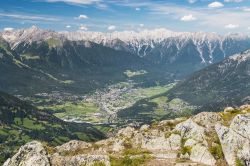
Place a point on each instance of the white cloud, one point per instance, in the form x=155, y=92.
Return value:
x=137, y=9
x=111, y=27
x=141, y=25
x=83, y=28
x=207, y=19
x=232, y=26
x=82, y=16
x=8, y=29
x=28, y=17
x=68, y=26
x=192, y=1
x=215, y=4
x=189, y=17
x=82, y=2
x=233, y=1
x=245, y=9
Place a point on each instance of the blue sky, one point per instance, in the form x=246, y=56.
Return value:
x=222, y=16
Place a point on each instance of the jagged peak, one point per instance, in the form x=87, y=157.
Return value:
x=28, y=35
x=145, y=36
x=241, y=57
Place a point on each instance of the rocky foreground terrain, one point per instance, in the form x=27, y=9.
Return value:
x=205, y=139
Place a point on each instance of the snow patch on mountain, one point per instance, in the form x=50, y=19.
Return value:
x=147, y=42
x=242, y=57
x=162, y=44
x=29, y=35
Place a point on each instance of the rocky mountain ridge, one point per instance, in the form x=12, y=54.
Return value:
x=162, y=46
x=207, y=138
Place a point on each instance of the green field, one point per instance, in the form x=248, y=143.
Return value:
x=155, y=106
x=83, y=111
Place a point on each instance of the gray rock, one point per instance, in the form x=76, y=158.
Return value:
x=244, y=154
x=31, y=154
x=190, y=129
x=144, y=127
x=190, y=143
x=126, y=132
x=73, y=146
x=201, y=154
x=185, y=156
x=118, y=145
x=86, y=160
x=207, y=119
x=234, y=138
x=161, y=143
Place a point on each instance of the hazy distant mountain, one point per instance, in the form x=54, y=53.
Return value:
x=221, y=84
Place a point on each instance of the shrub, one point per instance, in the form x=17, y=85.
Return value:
x=168, y=134
x=186, y=149
x=216, y=151
x=238, y=162
x=99, y=163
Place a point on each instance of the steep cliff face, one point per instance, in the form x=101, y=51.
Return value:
x=205, y=139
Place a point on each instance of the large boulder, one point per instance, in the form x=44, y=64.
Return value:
x=31, y=154
x=235, y=139
x=244, y=154
x=127, y=132
x=207, y=119
x=241, y=125
x=73, y=146
x=161, y=143
x=201, y=154
x=191, y=130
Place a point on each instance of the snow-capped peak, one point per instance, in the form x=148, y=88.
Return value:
x=157, y=42
x=28, y=35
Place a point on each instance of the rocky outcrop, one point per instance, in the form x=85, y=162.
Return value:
x=207, y=119
x=189, y=129
x=73, y=146
x=31, y=154
x=205, y=139
x=200, y=153
x=161, y=143
x=235, y=139
x=78, y=160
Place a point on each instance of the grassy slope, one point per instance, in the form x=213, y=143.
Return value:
x=20, y=123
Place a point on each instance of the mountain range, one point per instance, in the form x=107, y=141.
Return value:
x=33, y=57
x=163, y=46
x=160, y=45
